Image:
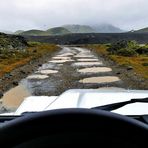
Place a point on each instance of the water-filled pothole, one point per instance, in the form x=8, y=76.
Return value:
x=87, y=60
x=95, y=70
x=61, y=61
x=104, y=79
x=14, y=97
x=87, y=63
x=47, y=71
x=37, y=76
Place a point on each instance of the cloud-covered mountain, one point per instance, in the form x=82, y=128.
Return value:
x=79, y=28
x=71, y=28
x=106, y=28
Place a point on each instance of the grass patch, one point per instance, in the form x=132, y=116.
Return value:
x=138, y=62
x=11, y=60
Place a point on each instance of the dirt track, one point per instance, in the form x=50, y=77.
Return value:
x=69, y=68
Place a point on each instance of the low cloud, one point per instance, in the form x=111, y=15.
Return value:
x=28, y=14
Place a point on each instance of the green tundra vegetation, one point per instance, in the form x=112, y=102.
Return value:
x=11, y=59
x=126, y=53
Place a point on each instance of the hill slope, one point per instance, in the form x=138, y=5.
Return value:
x=143, y=30
x=106, y=28
x=34, y=33
x=18, y=32
x=58, y=31
x=79, y=28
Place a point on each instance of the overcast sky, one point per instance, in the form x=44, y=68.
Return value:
x=43, y=14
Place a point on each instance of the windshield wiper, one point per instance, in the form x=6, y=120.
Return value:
x=114, y=106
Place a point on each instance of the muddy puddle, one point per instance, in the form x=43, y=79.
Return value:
x=105, y=79
x=87, y=60
x=60, y=61
x=87, y=63
x=95, y=70
x=84, y=56
x=47, y=72
x=65, y=54
x=61, y=58
x=37, y=76
x=14, y=97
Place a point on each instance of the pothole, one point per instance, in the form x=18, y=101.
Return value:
x=95, y=70
x=61, y=58
x=105, y=79
x=84, y=56
x=47, y=71
x=65, y=54
x=87, y=60
x=60, y=64
x=37, y=77
x=60, y=61
x=87, y=63
x=14, y=97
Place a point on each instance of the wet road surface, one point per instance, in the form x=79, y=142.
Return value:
x=70, y=68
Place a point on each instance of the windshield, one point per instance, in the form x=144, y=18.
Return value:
x=51, y=46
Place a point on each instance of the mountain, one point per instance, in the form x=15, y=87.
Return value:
x=58, y=31
x=79, y=28
x=143, y=30
x=52, y=31
x=18, y=31
x=106, y=28
x=71, y=28
x=34, y=33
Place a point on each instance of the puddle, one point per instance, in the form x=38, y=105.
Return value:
x=65, y=54
x=84, y=56
x=95, y=70
x=14, y=97
x=37, y=77
x=87, y=63
x=87, y=60
x=60, y=64
x=47, y=66
x=60, y=61
x=47, y=71
x=61, y=58
x=105, y=79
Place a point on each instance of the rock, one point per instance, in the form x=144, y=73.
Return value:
x=23, y=72
x=39, y=64
x=34, y=51
x=3, y=109
x=1, y=94
x=7, y=76
x=129, y=68
x=118, y=73
x=15, y=83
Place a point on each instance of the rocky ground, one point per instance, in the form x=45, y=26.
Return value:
x=127, y=74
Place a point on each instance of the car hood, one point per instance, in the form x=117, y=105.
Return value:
x=86, y=98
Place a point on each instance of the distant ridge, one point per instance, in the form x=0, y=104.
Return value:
x=52, y=31
x=58, y=31
x=106, y=28
x=79, y=28
x=71, y=28
x=143, y=30
x=18, y=32
x=34, y=33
